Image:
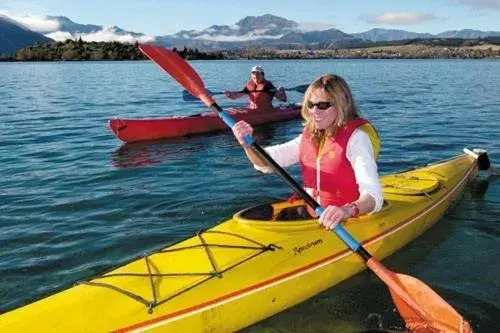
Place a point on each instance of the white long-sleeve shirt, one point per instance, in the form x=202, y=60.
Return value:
x=359, y=153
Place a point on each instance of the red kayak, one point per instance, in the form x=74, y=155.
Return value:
x=133, y=130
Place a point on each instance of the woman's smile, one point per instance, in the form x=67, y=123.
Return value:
x=324, y=114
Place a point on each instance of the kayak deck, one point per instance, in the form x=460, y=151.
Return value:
x=252, y=261
x=133, y=130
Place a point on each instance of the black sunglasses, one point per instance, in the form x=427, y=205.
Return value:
x=319, y=105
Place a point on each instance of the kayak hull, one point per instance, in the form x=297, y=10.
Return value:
x=250, y=262
x=133, y=130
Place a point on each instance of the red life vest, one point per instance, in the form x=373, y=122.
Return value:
x=259, y=95
x=329, y=177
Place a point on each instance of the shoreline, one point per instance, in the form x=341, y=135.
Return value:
x=485, y=51
x=410, y=51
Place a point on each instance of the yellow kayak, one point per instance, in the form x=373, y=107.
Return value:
x=247, y=268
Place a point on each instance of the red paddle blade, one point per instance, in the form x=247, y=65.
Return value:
x=422, y=309
x=178, y=69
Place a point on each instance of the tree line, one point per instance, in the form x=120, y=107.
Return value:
x=78, y=50
x=444, y=48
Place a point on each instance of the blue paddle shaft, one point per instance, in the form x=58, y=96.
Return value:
x=341, y=232
x=230, y=122
x=226, y=118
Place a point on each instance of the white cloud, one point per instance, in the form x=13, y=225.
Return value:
x=36, y=23
x=313, y=26
x=234, y=38
x=107, y=34
x=60, y=35
x=400, y=18
x=258, y=32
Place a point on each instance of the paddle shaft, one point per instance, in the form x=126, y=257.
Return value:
x=339, y=229
x=302, y=89
x=186, y=96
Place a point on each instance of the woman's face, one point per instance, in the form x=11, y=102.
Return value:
x=257, y=77
x=323, y=113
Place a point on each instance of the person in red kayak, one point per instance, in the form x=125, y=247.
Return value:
x=260, y=92
x=337, y=152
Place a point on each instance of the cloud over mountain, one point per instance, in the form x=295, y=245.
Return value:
x=36, y=23
x=247, y=29
x=61, y=28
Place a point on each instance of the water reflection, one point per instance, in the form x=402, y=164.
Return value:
x=479, y=187
x=140, y=154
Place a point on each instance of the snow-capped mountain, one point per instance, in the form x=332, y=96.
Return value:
x=277, y=32
x=264, y=31
x=250, y=28
x=67, y=29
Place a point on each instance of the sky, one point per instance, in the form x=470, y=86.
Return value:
x=161, y=17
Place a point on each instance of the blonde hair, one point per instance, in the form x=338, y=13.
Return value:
x=339, y=95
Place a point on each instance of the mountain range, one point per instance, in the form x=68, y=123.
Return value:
x=75, y=30
x=266, y=31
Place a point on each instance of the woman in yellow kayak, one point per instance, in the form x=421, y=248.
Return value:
x=337, y=152
x=260, y=92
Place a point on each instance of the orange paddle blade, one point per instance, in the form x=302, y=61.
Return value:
x=178, y=69
x=422, y=309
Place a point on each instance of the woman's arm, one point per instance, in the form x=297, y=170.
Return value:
x=281, y=94
x=360, y=154
x=333, y=215
x=284, y=154
x=278, y=93
x=233, y=94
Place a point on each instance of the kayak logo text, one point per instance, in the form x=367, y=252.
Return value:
x=299, y=249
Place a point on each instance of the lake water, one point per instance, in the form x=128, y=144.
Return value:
x=74, y=201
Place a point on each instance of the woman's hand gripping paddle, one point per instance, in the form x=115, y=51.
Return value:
x=421, y=308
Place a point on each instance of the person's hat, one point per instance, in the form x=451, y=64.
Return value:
x=257, y=69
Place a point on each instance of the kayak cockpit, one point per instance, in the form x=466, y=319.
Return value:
x=277, y=216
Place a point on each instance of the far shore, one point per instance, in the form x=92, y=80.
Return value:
x=485, y=51
x=82, y=51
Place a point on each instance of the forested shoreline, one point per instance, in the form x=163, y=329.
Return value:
x=452, y=48
x=78, y=50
